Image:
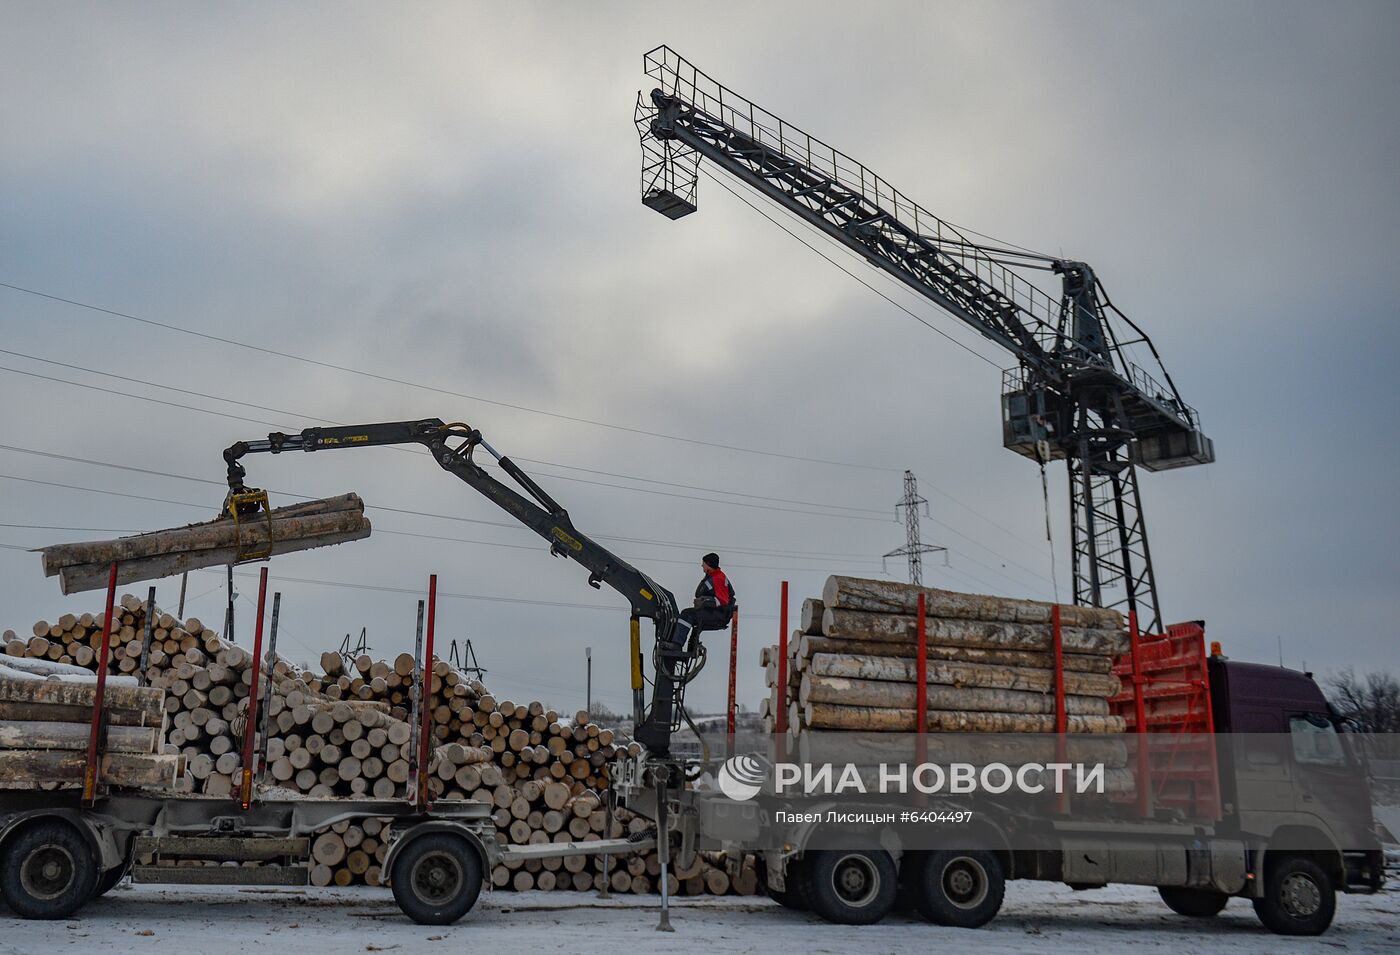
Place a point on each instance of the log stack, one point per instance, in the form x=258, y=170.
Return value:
x=344, y=732
x=46, y=725
x=84, y=566
x=989, y=662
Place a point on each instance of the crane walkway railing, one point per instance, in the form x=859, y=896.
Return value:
x=677, y=77
x=993, y=267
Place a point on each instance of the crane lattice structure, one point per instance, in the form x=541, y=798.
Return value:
x=914, y=548
x=1075, y=395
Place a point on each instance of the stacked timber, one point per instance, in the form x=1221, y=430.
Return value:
x=320, y=523
x=989, y=662
x=46, y=725
x=344, y=731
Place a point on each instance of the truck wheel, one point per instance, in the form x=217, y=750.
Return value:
x=851, y=886
x=791, y=897
x=48, y=871
x=1194, y=903
x=436, y=878
x=1298, y=897
x=959, y=887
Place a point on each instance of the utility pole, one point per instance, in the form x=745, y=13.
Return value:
x=914, y=548
x=588, y=697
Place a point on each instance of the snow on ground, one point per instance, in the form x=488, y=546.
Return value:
x=1037, y=917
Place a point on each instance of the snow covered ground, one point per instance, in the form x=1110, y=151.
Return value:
x=1037, y=917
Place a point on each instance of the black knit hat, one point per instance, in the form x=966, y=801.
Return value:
x=712, y=560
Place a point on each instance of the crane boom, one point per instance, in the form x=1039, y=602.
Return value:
x=676, y=663
x=1076, y=394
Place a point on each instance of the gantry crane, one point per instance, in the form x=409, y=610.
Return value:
x=1075, y=395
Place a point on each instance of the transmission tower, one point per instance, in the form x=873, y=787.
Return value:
x=464, y=659
x=914, y=548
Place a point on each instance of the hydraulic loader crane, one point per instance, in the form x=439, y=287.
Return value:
x=1076, y=394
x=678, y=654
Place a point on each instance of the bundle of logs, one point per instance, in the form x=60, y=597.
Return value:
x=989, y=663
x=345, y=732
x=319, y=523
x=46, y=725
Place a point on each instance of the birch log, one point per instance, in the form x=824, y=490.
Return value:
x=881, y=719
x=865, y=625
x=812, y=644
x=85, y=566
x=903, y=670
x=81, y=577
x=884, y=596
x=25, y=768
x=36, y=734
x=142, y=699
x=835, y=689
x=324, y=516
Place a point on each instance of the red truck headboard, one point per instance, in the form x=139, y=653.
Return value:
x=1166, y=680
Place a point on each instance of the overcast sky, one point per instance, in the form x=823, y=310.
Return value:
x=447, y=195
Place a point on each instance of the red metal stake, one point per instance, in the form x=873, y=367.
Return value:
x=1144, y=767
x=733, y=678
x=780, y=724
x=90, y=771
x=921, y=682
x=250, y=730
x=1061, y=718
x=426, y=696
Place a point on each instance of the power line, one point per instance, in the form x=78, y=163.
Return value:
x=986, y=587
x=455, y=595
x=727, y=188
x=387, y=508
x=555, y=476
x=329, y=420
x=309, y=417
x=818, y=251
x=434, y=537
x=756, y=552
x=432, y=388
x=906, y=310
x=396, y=510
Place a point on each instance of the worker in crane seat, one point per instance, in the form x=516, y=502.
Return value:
x=715, y=601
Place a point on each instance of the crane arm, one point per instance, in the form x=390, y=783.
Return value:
x=1063, y=342
x=452, y=447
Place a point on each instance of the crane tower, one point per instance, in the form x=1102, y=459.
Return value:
x=1076, y=394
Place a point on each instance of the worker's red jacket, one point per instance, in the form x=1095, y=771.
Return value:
x=716, y=586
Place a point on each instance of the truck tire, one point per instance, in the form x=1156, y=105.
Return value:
x=962, y=888
x=436, y=878
x=851, y=886
x=1299, y=898
x=48, y=871
x=792, y=896
x=1193, y=903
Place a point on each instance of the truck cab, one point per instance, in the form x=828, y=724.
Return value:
x=1291, y=780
